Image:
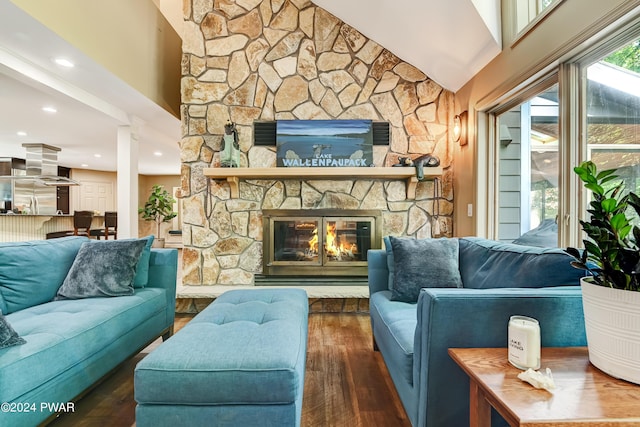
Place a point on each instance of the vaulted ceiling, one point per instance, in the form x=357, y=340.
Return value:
x=449, y=40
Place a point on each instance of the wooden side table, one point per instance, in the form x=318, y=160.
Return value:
x=583, y=396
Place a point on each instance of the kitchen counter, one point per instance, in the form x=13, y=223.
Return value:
x=47, y=215
x=22, y=227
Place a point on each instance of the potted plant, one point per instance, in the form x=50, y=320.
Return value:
x=158, y=208
x=611, y=294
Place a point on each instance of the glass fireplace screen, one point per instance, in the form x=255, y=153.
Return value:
x=321, y=241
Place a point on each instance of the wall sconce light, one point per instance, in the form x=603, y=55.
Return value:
x=505, y=135
x=460, y=128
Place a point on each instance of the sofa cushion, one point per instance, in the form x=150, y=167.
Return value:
x=395, y=325
x=488, y=264
x=47, y=262
x=103, y=268
x=61, y=335
x=8, y=336
x=142, y=269
x=423, y=263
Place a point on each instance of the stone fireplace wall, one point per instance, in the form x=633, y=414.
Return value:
x=252, y=60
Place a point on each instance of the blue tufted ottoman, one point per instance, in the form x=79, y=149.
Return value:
x=240, y=362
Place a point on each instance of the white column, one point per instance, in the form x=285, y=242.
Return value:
x=127, y=181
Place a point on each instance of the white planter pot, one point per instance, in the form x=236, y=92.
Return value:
x=612, y=320
x=158, y=243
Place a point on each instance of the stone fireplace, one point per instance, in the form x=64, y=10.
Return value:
x=266, y=60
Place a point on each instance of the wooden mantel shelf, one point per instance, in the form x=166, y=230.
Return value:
x=233, y=175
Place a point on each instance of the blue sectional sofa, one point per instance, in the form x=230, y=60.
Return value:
x=494, y=280
x=70, y=344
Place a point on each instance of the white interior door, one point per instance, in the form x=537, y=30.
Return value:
x=96, y=196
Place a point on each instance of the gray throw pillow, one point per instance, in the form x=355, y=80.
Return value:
x=423, y=263
x=103, y=268
x=8, y=336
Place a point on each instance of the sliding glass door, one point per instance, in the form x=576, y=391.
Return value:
x=527, y=150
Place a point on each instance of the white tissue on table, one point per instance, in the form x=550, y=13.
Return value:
x=538, y=379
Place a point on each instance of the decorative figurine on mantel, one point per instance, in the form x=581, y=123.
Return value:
x=230, y=153
x=426, y=160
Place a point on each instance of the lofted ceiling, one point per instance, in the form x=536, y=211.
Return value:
x=91, y=103
x=449, y=41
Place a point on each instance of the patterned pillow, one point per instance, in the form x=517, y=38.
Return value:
x=103, y=268
x=8, y=336
x=423, y=263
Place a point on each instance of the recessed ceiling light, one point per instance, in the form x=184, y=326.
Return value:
x=157, y=153
x=84, y=165
x=97, y=155
x=63, y=62
x=49, y=109
x=21, y=133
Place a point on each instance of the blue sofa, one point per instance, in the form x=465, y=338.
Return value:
x=72, y=343
x=497, y=280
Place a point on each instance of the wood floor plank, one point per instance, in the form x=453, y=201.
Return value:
x=346, y=382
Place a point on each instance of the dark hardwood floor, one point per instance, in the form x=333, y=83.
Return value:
x=346, y=382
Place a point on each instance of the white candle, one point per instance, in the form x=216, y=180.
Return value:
x=524, y=342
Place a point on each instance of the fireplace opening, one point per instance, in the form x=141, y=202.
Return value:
x=319, y=242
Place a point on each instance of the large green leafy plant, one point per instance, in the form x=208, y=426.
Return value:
x=159, y=207
x=611, y=250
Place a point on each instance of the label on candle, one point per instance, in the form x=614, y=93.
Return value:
x=524, y=342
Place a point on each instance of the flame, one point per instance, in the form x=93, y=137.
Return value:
x=330, y=239
x=337, y=249
x=313, y=242
x=332, y=246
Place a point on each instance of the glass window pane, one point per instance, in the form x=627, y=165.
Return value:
x=528, y=10
x=613, y=114
x=348, y=240
x=296, y=240
x=528, y=171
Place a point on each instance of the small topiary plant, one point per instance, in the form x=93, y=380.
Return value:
x=159, y=207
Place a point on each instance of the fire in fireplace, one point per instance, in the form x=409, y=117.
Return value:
x=319, y=242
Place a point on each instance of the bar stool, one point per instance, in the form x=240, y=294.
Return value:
x=82, y=223
x=110, y=227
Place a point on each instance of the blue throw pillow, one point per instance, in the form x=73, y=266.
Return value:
x=488, y=264
x=423, y=263
x=8, y=336
x=390, y=261
x=31, y=272
x=103, y=268
x=142, y=270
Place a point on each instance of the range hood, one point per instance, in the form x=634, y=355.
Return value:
x=34, y=189
x=42, y=167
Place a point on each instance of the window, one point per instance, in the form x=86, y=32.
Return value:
x=613, y=113
x=528, y=169
x=530, y=166
x=530, y=11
